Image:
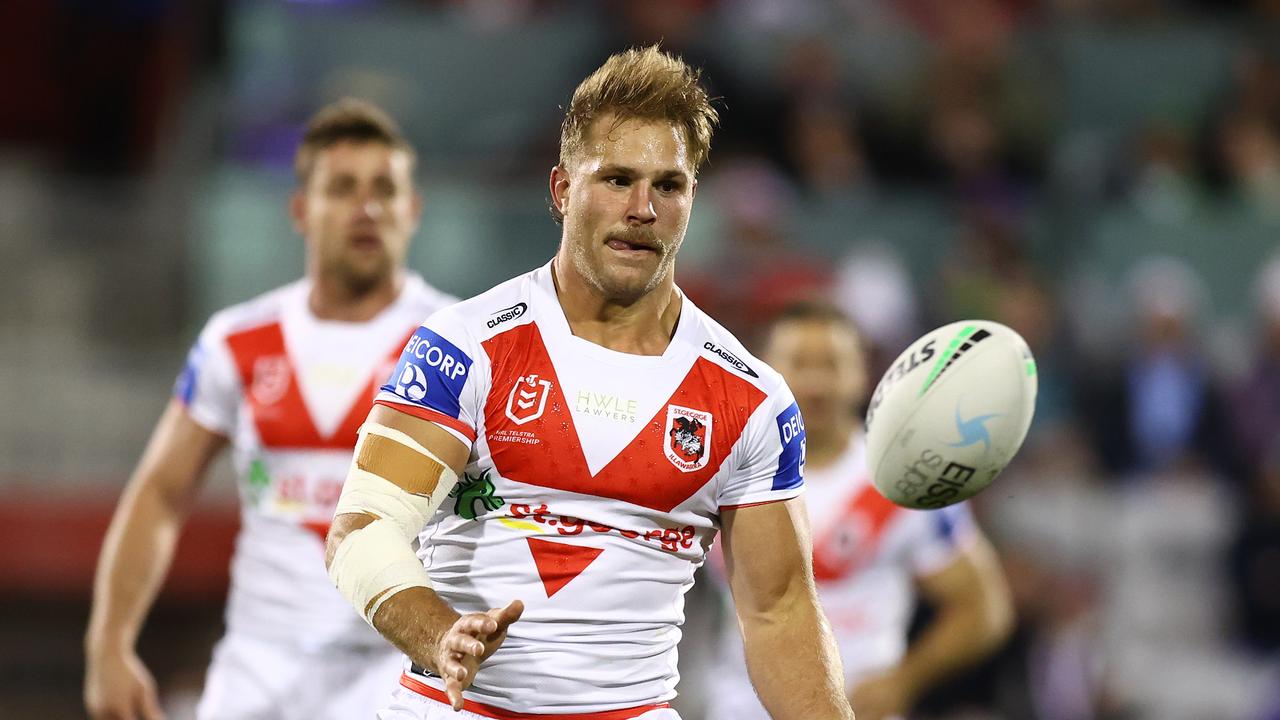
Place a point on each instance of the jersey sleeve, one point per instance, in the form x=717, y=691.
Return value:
x=942, y=535
x=438, y=379
x=772, y=464
x=209, y=385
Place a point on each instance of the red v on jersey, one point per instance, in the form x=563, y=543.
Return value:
x=275, y=402
x=558, y=563
x=641, y=473
x=853, y=535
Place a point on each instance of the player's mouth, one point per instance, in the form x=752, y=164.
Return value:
x=633, y=244
x=630, y=248
x=365, y=240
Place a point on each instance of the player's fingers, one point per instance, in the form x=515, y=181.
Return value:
x=453, y=691
x=508, y=614
x=150, y=706
x=110, y=713
x=476, y=624
x=463, y=644
x=126, y=706
x=149, y=701
x=452, y=668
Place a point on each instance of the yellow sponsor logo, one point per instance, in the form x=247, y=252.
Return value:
x=520, y=525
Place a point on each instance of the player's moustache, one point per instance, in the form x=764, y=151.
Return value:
x=641, y=235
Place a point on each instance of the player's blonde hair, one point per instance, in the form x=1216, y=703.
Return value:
x=352, y=120
x=642, y=83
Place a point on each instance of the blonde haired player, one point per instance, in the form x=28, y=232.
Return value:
x=594, y=430
x=285, y=379
x=871, y=557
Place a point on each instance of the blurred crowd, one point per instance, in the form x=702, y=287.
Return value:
x=1140, y=526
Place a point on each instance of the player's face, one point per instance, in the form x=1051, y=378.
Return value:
x=626, y=202
x=358, y=212
x=822, y=362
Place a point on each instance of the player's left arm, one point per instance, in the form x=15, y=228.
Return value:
x=974, y=615
x=791, y=654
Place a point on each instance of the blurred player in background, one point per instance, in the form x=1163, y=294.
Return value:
x=870, y=556
x=285, y=379
x=604, y=429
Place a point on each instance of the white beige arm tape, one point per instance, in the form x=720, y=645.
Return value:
x=377, y=561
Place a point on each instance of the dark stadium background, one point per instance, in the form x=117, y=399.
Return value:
x=1102, y=175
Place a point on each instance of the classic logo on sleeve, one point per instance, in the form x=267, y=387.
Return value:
x=688, y=434
x=791, y=461
x=431, y=373
x=505, y=314
x=730, y=358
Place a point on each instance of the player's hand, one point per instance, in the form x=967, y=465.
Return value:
x=471, y=640
x=881, y=697
x=118, y=686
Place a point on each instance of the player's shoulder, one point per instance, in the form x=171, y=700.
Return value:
x=265, y=309
x=490, y=313
x=724, y=349
x=423, y=298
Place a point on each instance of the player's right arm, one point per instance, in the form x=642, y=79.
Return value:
x=135, y=556
x=387, y=584
x=791, y=654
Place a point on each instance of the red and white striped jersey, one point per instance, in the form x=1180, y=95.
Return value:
x=290, y=391
x=594, y=486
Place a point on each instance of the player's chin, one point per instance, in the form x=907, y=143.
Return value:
x=629, y=283
x=367, y=270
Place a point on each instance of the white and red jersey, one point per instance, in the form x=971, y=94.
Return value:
x=867, y=555
x=594, y=486
x=290, y=391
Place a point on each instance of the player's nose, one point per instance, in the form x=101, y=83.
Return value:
x=640, y=209
x=370, y=208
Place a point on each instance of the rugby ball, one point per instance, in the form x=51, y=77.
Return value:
x=950, y=413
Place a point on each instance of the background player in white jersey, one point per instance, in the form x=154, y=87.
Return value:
x=285, y=379
x=871, y=556
x=605, y=429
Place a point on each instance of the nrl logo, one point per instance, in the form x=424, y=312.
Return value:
x=688, y=433
x=528, y=399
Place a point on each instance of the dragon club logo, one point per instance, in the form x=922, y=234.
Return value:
x=688, y=433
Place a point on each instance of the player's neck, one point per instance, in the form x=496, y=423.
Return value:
x=333, y=299
x=825, y=445
x=644, y=327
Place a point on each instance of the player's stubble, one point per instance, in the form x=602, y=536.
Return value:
x=624, y=280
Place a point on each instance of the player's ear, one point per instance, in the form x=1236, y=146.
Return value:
x=298, y=211
x=559, y=182
x=418, y=204
x=693, y=189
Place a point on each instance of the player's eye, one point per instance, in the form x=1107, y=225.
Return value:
x=668, y=186
x=383, y=187
x=618, y=180
x=342, y=186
